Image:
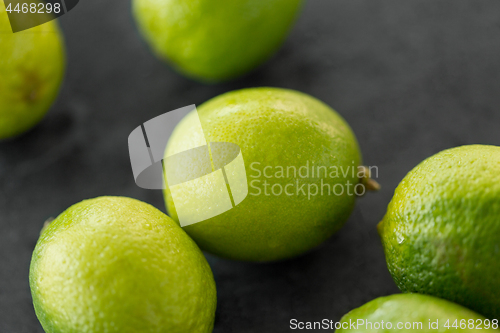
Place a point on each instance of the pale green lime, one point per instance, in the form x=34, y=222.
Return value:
x=215, y=40
x=31, y=70
x=413, y=313
x=115, y=264
x=282, y=134
x=441, y=233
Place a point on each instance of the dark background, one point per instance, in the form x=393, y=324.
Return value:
x=412, y=77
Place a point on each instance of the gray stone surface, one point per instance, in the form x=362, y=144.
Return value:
x=412, y=77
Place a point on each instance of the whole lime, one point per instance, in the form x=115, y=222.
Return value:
x=115, y=264
x=215, y=40
x=301, y=168
x=441, y=233
x=31, y=70
x=413, y=313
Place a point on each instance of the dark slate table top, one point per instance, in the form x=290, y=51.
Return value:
x=411, y=77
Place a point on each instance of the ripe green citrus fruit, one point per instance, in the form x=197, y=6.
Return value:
x=441, y=233
x=215, y=40
x=31, y=70
x=115, y=264
x=281, y=134
x=414, y=313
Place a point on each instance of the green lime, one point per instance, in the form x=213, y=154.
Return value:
x=215, y=40
x=115, y=264
x=31, y=70
x=441, y=233
x=301, y=168
x=413, y=313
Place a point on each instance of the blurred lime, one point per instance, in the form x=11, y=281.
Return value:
x=441, y=233
x=414, y=313
x=276, y=129
x=215, y=40
x=115, y=264
x=31, y=70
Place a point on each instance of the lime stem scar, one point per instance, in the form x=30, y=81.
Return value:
x=365, y=179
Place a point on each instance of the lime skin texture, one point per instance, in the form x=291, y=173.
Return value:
x=441, y=232
x=114, y=264
x=413, y=308
x=274, y=127
x=215, y=40
x=32, y=65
